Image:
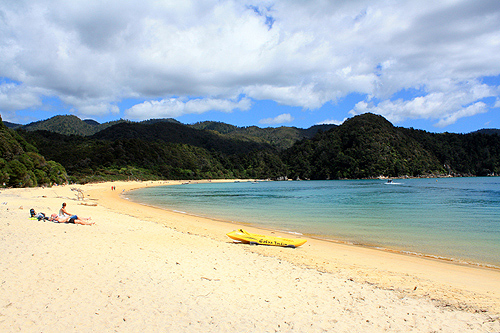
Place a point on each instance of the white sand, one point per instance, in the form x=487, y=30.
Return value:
x=140, y=269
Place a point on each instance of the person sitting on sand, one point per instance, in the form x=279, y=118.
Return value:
x=63, y=212
x=71, y=219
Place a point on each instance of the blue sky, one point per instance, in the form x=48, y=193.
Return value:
x=432, y=65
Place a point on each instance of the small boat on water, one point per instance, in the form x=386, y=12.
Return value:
x=249, y=238
x=392, y=182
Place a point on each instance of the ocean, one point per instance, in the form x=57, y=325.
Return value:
x=449, y=218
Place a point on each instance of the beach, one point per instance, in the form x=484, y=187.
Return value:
x=145, y=269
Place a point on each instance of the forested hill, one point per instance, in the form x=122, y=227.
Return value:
x=488, y=131
x=364, y=146
x=69, y=125
x=21, y=165
x=281, y=137
x=475, y=153
x=181, y=134
x=368, y=146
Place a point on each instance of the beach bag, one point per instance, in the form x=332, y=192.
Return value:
x=32, y=212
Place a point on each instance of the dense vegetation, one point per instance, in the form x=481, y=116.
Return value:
x=281, y=137
x=369, y=146
x=475, y=154
x=364, y=146
x=68, y=125
x=159, y=150
x=22, y=166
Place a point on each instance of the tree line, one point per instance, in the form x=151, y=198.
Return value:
x=22, y=166
x=364, y=146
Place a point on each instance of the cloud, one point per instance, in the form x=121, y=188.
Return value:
x=453, y=102
x=93, y=54
x=98, y=109
x=471, y=110
x=14, y=96
x=303, y=96
x=332, y=122
x=174, y=107
x=281, y=119
x=497, y=103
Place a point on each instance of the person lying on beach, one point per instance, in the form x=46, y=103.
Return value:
x=38, y=216
x=71, y=219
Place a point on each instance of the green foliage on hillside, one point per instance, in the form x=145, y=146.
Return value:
x=365, y=146
x=179, y=133
x=490, y=131
x=215, y=126
x=11, y=125
x=133, y=157
x=470, y=154
x=280, y=137
x=21, y=165
x=69, y=125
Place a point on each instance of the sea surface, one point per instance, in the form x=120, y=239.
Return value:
x=450, y=218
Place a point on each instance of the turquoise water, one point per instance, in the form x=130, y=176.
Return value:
x=453, y=218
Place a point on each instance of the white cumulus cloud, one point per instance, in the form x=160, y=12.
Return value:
x=332, y=122
x=93, y=54
x=174, y=107
x=281, y=119
x=14, y=97
x=446, y=106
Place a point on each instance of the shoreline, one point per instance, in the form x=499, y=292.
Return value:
x=262, y=228
x=290, y=234
x=141, y=268
x=482, y=278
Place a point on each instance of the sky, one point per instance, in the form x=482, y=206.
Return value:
x=426, y=64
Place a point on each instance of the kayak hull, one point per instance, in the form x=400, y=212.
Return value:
x=249, y=238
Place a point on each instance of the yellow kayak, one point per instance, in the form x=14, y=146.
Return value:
x=249, y=238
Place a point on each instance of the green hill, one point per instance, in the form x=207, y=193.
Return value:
x=491, y=131
x=11, y=125
x=215, y=126
x=160, y=120
x=364, y=146
x=91, y=122
x=280, y=137
x=21, y=165
x=69, y=125
x=178, y=133
x=475, y=153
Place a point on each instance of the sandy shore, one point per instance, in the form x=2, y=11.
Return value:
x=142, y=269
